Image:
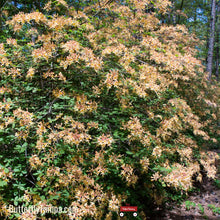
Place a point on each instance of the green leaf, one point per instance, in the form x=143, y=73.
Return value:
x=129, y=152
x=3, y=183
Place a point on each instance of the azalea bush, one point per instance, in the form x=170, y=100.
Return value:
x=102, y=106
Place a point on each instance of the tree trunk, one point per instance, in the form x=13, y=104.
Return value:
x=2, y=3
x=0, y=22
x=217, y=41
x=15, y=3
x=195, y=20
x=172, y=14
x=211, y=40
x=181, y=8
x=37, y=5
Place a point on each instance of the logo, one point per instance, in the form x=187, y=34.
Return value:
x=128, y=208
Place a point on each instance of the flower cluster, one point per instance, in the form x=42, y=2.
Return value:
x=30, y=72
x=105, y=140
x=35, y=161
x=114, y=204
x=208, y=161
x=181, y=177
x=112, y=79
x=25, y=117
x=127, y=173
x=58, y=93
x=5, y=174
x=84, y=105
x=145, y=164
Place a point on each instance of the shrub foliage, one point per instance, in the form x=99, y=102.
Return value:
x=102, y=106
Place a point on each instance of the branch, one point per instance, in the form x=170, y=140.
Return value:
x=30, y=181
x=3, y=4
x=49, y=111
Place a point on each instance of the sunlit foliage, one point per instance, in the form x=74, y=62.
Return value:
x=100, y=107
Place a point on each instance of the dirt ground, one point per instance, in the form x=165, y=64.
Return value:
x=201, y=205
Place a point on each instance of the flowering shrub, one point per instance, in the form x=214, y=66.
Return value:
x=102, y=109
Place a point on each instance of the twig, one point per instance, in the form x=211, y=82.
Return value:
x=3, y=5
x=30, y=181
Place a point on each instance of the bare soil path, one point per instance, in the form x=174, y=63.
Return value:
x=203, y=205
x=200, y=205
